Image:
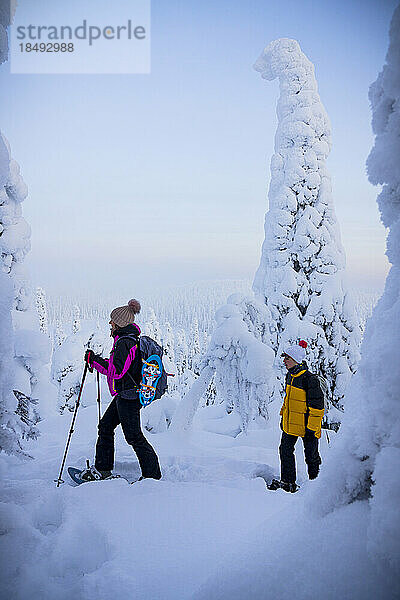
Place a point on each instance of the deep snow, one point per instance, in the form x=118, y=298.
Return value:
x=153, y=539
x=207, y=526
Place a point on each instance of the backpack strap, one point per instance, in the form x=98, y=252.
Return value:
x=129, y=336
x=136, y=338
x=130, y=377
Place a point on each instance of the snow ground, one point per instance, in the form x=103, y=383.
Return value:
x=208, y=529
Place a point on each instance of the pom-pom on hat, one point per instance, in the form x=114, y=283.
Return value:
x=297, y=351
x=125, y=315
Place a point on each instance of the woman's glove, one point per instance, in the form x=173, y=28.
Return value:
x=89, y=356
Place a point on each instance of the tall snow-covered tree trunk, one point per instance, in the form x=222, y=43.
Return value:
x=152, y=327
x=25, y=349
x=366, y=462
x=194, y=349
x=41, y=307
x=14, y=245
x=11, y=427
x=76, y=323
x=301, y=273
x=168, y=342
x=181, y=352
x=59, y=335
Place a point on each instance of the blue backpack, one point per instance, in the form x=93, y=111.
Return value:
x=154, y=376
x=153, y=383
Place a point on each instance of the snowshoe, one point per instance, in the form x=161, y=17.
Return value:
x=75, y=475
x=277, y=484
x=151, y=372
x=89, y=474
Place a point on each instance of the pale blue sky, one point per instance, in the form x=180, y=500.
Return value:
x=136, y=179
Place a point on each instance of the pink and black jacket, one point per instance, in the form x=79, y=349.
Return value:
x=123, y=367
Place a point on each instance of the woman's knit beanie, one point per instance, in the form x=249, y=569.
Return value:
x=125, y=315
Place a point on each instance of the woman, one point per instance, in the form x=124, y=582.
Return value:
x=123, y=371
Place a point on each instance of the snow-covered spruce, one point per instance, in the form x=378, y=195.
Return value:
x=15, y=231
x=59, y=335
x=41, y=308
x=301, y=273
x=168, y=342
x=152, y=327
x=31, y=348
x=242, y=368
x=76, y=323
x=181, y=352
x=194, y=349
x=366, y=462
x=11, y=427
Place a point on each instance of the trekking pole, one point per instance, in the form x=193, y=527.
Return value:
x=98, y=394
x=71, y=431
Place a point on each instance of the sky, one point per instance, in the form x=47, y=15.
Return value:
x=161, y=178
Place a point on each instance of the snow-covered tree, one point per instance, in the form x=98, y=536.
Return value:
x=59, y=335
x=28, y=415
x=152, y=327
x=210, y=395
x=41, y=307
x=168, y=342
x=299, y=286
x=76, y=323
x=194, y=348
x=11, y=427
x=67, y=375
x=242, y=366
x=67, y=366
x=366, y=462
x=301, y=273
x=158, y=415
x=15, y=231
x=31, y=348
x=67, y=362
x=256, y=315
x=181, y=352
x=98, y=341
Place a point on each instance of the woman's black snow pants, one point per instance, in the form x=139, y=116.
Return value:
x=126, y=412
x=311, y=454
